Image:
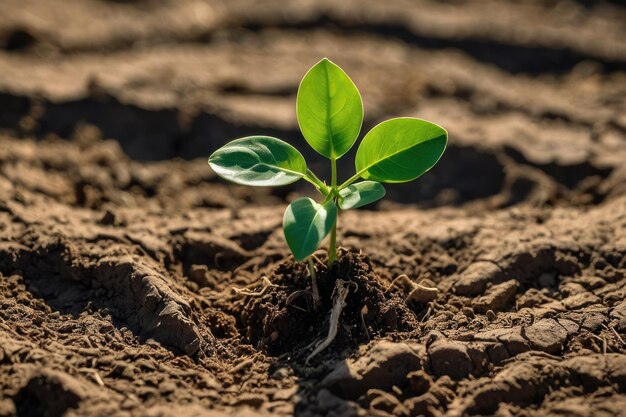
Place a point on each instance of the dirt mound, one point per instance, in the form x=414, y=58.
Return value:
x=284, y=318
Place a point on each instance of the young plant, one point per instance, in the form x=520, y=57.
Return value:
x=330, y=114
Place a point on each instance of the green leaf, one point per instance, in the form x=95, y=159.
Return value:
x=306, y=223
x=400, y=150
x=360, y=194
x=258, y=160
x=329, y=109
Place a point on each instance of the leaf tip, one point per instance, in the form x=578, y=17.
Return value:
x=326, y=62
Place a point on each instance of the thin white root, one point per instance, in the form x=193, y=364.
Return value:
x=314, y=289
x=318, y=260
x=430, y=309
x=422, y=294
x=418, y=292
x=295, y=296
x=617, y=335
x=265, y=282
x=601, y=340
x=342, y=288
x=619, y=338
x=94, y=374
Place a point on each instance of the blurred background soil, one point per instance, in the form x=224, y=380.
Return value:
x=119, y=248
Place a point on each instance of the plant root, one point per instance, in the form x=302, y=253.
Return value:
x=430, y=309
x=364, y=311
x=314, y=289
x=293, y=297
x=342, y=288
x=318, y=260
x=265, y=282
x=616, y=334
x=417, y=292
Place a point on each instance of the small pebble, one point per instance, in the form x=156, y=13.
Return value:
x=468, y=312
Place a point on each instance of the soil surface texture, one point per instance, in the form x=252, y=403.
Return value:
x=135, y=282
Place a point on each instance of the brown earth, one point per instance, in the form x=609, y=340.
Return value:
x=121, y=253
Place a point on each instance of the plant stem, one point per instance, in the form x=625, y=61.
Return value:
x=350, y=180
x=319, y=184
x=332, y=247
x=314, y=289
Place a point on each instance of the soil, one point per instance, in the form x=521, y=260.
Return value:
x=134, y=282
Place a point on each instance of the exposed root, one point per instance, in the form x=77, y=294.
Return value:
x=339, y=302
x=601, y=340
x=314, y=289
x=430, y=309
x=294, y=296
x=364, y=311
x=417, y=292
x=318, y=260
x=422, y=294
x=93, y=374
x=616, y=334
x=265, y=282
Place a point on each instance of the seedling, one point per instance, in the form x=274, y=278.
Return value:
x=330, y=114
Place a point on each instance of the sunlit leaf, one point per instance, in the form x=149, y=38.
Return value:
x=400, y=150
x=306, y=223
x=360, y=194
x=258, y=160
x=329, y=109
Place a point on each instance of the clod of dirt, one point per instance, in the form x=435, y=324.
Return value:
x=580, y=300
x=432, y=401
x=383, y=365
x=49, y=393
x=474, y=280
x=419, y=381
x=519, y=384
x=546, y=335
x=496, y=298
x=133, y=289
x=165, y=315
x=169, y=410
x=619, y=314
x=283, y=318
x=206, y=249
x=158, y=311
x=330, y=404
x=594, y=371
x=450, y=358
x=511, y=338
x=532, y=297
x=530, y=380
